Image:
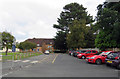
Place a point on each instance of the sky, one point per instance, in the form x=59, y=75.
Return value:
x=26, y=19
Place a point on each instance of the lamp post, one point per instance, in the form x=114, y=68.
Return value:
x=13, y=50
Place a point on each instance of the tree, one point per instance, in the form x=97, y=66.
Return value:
x=60, y=41
x=26, y=45
x=72, y=11
x=44, y=47
x=7, y=40
x=108, y=24
x=76, y=37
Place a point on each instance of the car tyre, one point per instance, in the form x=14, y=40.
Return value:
x=98, y=61
x=83, y=57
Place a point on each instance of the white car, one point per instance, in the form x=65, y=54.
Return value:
x=47, y=52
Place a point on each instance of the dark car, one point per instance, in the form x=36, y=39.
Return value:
x=78, y=52
x=113, y=59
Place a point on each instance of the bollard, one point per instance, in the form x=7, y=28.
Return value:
x=19, y=57
x=27, y=54
x=24, y=55
x=16, y=57
x=30, y=54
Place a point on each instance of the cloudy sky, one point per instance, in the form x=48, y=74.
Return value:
x=34, y=18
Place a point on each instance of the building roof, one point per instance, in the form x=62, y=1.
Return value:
x=40, y=41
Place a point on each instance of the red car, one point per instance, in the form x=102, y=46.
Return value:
x=87, y=53
x=98, y=59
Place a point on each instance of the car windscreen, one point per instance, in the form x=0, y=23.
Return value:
x=104, y=53
x=82, y=51
x=98, y=53
x=112, y=55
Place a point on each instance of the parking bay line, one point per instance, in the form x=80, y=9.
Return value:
x=54, y=59
x=26, y=61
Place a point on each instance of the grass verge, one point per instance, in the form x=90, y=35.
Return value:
x=18, y=55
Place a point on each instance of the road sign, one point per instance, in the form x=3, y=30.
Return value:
x=13, y=48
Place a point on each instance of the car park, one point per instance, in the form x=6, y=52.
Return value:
x=98, y=59
x=87, y=53
x=113, y=59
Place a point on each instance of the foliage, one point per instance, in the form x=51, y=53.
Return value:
x=44, y=47
x=7, y=40
x=26, y=45
x=72, y=11
x=60, y=41
x=108, y=23
x=76, y=37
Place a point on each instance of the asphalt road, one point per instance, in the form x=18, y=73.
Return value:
x=62, y=65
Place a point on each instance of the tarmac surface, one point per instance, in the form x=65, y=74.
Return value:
x=56, y=65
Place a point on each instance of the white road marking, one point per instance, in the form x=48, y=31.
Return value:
x=28, y=66
x=17, y=60
x=26, y=61
x=34, y=62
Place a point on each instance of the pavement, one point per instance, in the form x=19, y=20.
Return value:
x=59, y=65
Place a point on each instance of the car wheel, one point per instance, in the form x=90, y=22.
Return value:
x=118, y=66
x=83, y=57
x=98, y=61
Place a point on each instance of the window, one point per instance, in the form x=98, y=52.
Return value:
x=93, y=51
x=88, y=52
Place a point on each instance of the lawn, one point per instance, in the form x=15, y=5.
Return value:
x=18, y=55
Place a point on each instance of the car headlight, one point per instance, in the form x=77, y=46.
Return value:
x=79, y=54
x=92, y=57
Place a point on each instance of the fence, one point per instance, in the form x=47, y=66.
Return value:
x=12, y=62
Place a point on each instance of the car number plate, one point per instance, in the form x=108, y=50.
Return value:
x=109, y=61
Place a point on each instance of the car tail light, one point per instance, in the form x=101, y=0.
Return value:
x=116, y=58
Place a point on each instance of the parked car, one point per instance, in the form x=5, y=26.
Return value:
x=98, y=59
x=78, y=52
x=47, y=52
x=71, y=52
x=87, y=53
x=113, y=59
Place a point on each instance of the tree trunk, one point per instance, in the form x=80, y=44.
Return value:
x=6, y=50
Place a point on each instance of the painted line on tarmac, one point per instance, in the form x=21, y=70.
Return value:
x=54, y=59
x=42, y=60
x=26, y=61
x=34, y=62
x=16, y=60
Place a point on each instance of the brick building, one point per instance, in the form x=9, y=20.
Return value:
x=42, y=42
